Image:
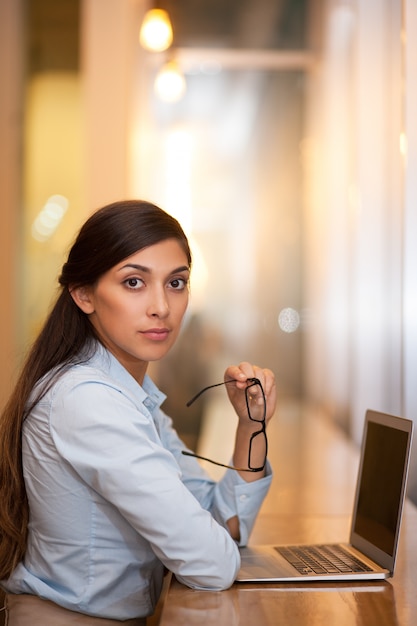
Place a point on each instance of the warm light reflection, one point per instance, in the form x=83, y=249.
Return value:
x=179, y=156
x=199, y=278
x=179, y=149
x=49, y=218
x=170, y=83
x=156, y=31
x=403, y=144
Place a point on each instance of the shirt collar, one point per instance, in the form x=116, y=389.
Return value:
x=155, y=397
x=147, y=393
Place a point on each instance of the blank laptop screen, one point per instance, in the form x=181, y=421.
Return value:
x=379, y=496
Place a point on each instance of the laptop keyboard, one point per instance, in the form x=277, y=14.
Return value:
x=322, y=559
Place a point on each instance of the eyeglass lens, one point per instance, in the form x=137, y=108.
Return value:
x=256, y=406
x=255, y=401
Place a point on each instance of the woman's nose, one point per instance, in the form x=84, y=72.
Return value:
x=158, y=306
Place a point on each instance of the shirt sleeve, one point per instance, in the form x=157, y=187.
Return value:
x=112, y=443
x=231, y=496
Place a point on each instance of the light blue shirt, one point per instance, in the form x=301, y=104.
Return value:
x=112, y=499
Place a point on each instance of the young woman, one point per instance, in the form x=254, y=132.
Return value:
x=97, y=496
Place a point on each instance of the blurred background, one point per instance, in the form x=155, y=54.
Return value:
x=283, y=139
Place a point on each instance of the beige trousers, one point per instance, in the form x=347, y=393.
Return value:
x=27, y=610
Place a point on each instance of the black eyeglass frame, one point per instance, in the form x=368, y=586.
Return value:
x=251, y=382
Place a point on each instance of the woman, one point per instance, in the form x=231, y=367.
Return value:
x=98, y=497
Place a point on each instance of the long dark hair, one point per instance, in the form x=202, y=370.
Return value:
x=110, y=235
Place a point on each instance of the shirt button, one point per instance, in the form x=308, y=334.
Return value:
x=243, y=497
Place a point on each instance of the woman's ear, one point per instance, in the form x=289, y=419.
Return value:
x=82, y=298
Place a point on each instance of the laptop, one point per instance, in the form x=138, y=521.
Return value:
x=376, y=519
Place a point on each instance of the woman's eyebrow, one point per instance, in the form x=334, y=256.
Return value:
x=148, y=270
x=141, y=268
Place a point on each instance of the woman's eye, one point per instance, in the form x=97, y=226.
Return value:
x=178, y=283
x=133, y=283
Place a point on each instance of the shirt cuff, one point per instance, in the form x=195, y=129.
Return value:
x=236, y=497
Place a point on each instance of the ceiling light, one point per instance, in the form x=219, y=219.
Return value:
x=156, y=31
x=170, y=83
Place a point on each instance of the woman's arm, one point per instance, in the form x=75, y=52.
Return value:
x=247, y=427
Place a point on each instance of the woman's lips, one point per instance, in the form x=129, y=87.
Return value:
x=156, y=334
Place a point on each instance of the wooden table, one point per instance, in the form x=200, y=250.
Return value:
x=310, y=500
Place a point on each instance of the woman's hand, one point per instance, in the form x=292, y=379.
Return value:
x=236, y=391
x=245, y=443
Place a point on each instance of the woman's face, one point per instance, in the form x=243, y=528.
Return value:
x=137, y=306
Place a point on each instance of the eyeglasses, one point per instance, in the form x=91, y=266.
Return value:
x=256, y=413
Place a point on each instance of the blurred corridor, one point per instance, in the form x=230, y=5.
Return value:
x=290, y=160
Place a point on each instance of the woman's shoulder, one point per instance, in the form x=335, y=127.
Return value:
x=97, y=377
x=93, y=367
x=97, y=369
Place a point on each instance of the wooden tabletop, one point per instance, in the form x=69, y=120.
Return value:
x=310, y=501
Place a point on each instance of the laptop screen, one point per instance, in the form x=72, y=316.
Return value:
x=382, y=481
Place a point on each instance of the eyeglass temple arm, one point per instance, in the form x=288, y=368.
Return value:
x=232, y=380
x=200, y=393
x=237, y=469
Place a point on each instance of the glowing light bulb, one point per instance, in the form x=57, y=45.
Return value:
x=170, y=83
x=156, y=31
